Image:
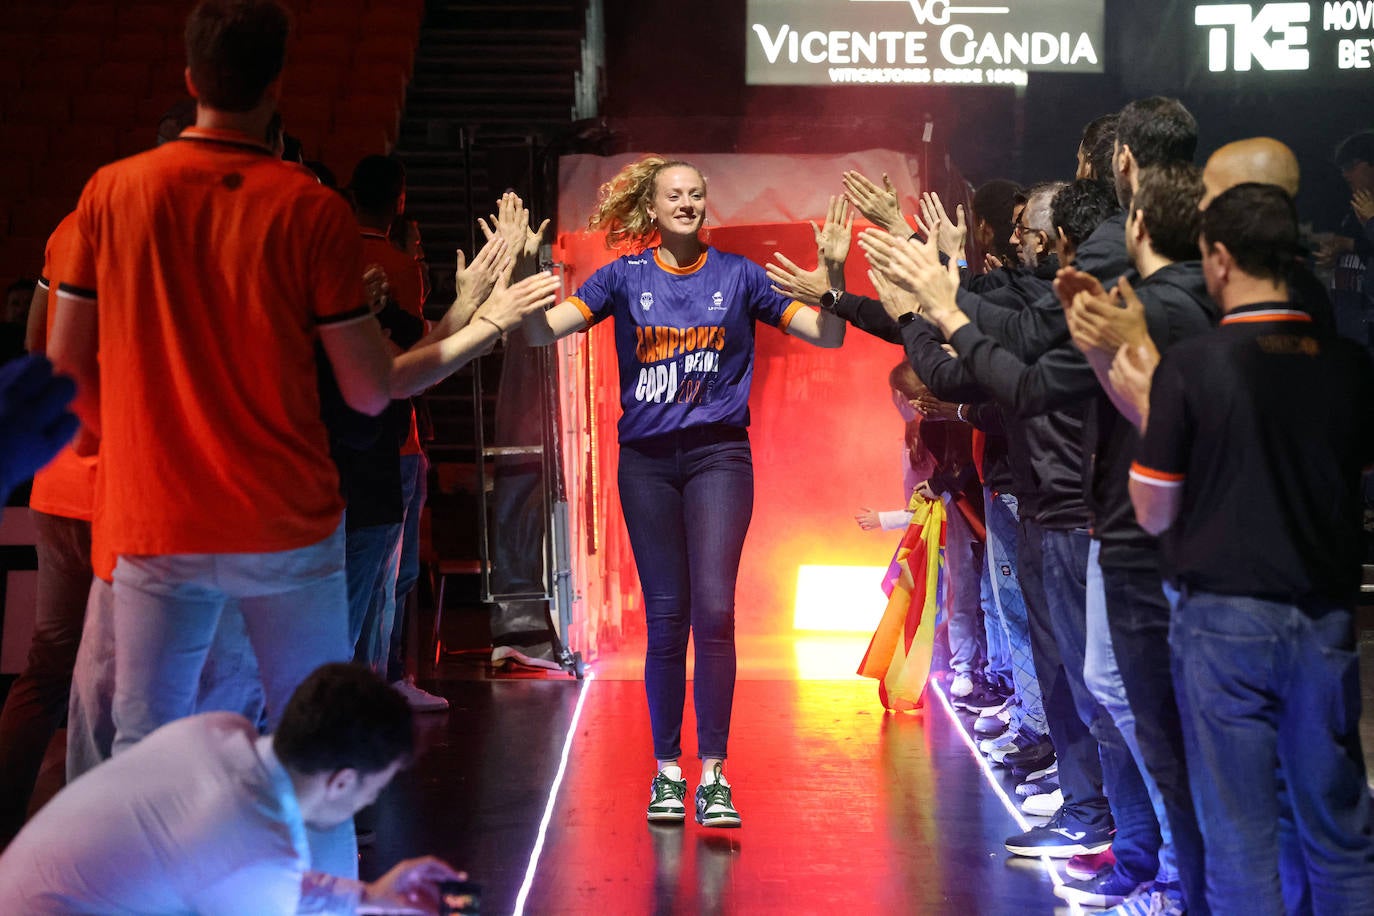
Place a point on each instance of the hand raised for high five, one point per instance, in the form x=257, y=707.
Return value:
x=834, y=236
x=512, y=221
x=832, y=247
x=877, y=205
x=476, y=281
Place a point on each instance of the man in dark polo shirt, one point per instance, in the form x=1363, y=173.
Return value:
x=1254, y=442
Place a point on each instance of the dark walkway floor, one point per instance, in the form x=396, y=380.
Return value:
x=846, y=809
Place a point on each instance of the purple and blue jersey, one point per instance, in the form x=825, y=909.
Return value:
x=684, y=337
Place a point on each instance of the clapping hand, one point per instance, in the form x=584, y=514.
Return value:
x=949, y=233
x=896, y=301
x=1107, y=322
x=1132, y=371
x=1070, y=281
x=915, y=267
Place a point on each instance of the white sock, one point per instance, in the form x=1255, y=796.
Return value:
x=672, y=772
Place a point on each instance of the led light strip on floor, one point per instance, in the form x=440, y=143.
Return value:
x=553, y=796
x=996, y=784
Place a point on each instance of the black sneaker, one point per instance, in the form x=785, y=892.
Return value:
x=991, y=724
x=1030, y=753
x=666, y=798
x=1106, y=888
x=1023, y=768
x=1061, y=837
x=981, y=697
x=714, y=807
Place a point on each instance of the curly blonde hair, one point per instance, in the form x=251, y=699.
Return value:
x=622, y=208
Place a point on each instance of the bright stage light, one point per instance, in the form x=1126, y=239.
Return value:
x=842, y=599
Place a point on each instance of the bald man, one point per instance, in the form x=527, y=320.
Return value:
x=1261, y=159
x=1268, y=161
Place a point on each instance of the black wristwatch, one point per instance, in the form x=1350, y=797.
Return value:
x=830, y=298
x=905, y=319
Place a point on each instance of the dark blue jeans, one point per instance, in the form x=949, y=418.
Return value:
x=414, y=491
x=1270, y=700
x=688, y=497
x=1138, y=617
x=1080, y=765
x=1137, y=841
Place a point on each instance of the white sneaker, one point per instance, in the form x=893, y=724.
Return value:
x=713, y=802
x=1001, y=709
x=666, y=794
x=1044, y=805
x=961, y=686
x=420, y=700
x=1002, y=741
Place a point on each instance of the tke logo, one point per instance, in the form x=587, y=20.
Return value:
x=1275, y=37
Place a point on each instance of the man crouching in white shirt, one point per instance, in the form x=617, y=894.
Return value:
x=204, y=816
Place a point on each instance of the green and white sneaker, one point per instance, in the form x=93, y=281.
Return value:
x=667, y=794
x=714, y=808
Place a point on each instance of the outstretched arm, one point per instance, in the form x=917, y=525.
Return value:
x=475, y=283
x=544, y=327
x=817, y=327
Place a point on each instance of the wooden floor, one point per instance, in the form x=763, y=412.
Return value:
x=846, y=809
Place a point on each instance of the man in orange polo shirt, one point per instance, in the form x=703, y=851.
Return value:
x=379, y=192
x=60, y=505
x=202, y=273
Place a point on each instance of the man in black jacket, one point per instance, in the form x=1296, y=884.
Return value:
x=997, y=347
x=1050, y=397
x=1053, y=553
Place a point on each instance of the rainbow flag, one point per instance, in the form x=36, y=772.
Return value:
x=899, y=654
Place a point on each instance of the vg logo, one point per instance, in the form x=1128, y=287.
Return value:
x=1275, y=36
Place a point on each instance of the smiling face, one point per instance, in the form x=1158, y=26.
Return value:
x=679, y=203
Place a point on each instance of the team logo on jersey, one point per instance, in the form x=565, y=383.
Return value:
x=717, y=302
x=646, y=300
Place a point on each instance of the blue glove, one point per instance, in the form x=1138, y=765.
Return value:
x=34, y=420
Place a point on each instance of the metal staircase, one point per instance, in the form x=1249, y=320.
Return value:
x=497, y=88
